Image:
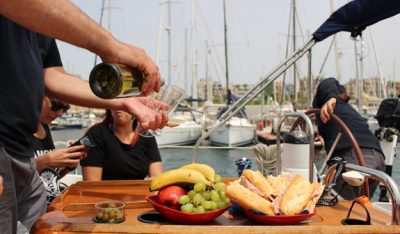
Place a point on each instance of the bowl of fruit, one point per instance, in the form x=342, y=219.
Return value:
x=193, y=194
x=109, y=212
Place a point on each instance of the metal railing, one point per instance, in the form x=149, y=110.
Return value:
x=380, y=176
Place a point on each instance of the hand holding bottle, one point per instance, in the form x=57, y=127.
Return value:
x=136, y=57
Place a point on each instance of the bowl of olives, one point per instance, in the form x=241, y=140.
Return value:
x=109, y=212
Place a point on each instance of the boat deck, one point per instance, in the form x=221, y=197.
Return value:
x=73, y=210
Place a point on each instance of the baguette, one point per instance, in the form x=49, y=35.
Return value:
x=278, y=184
x=296, y=196
x=248, y=199
x=260, y=182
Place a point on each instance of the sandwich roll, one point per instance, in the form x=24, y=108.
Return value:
x=247, y=184
x=278, y=184
x=260, y=182
x=296, y=196
x=248, y=199
x=317, y=190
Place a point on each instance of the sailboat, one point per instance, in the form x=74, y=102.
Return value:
x=187, y=132
x=238, y=130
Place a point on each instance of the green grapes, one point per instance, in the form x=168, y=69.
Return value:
x=204, y=198
x=191, y=193
x=187, y=208
x=184, y=199
x=218, y=179
x=219, y=186
x=199, y=187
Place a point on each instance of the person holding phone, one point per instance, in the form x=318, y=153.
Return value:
x=52, y=164
x=120, y=152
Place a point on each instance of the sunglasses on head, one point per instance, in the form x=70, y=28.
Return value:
x=56, y=106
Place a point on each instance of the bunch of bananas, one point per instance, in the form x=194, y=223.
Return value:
x=188, y=174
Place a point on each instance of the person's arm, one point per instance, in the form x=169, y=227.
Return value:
x=68, y=157
x=155, y=169
x=62, y=20
x=70, y=89
x=326, y=97
x=90, y=173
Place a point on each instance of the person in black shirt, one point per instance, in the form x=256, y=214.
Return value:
x=331, y=97
x=25, y=52
x=52, y=164
x=119, y=152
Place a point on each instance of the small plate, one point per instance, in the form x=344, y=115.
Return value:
x=278, y=219
x=180, y=217
x=96, y=220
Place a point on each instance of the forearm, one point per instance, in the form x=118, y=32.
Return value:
x=70, y=89
x=62, y=20
x=42, y=162
x=155, y=169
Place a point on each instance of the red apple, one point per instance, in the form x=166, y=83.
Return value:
x=169, y=196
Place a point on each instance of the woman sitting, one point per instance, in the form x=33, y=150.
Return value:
x=119, y=152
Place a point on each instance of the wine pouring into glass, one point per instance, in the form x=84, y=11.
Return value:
x=110, y=80
x=169, y=94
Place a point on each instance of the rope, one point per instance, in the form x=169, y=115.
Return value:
x=265, y=158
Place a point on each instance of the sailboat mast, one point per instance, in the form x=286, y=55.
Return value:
x=169, y=29
x=226, y=49
x=294, y=49
x=194, y=61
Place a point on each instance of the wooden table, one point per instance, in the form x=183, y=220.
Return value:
x=73, y=210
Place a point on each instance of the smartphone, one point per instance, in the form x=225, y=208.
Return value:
x=84, y=140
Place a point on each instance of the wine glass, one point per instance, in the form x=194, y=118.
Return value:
x=169, y=94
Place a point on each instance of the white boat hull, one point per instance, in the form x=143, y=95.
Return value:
x=180, y=135
x=234, y=133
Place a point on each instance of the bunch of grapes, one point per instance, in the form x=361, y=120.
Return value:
x=203, y=199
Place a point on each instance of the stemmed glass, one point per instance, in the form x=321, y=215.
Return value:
x=169, y=94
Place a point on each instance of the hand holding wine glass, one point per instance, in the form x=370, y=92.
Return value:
x=170, y=95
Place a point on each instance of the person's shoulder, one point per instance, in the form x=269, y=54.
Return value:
x=99, y=127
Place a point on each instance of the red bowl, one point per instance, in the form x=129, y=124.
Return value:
x=279, y=219
x=180, y=217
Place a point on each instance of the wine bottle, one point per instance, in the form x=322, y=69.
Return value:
x=111, y=80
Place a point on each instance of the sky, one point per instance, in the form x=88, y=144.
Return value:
x=257, y=34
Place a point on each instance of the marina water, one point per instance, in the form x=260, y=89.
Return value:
x=221, y=159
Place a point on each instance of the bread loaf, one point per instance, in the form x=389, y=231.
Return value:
x=248, y=199
x=296, y=196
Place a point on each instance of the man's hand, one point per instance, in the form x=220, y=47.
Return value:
x=150, y=113
x=327, y=109
x=137, y=57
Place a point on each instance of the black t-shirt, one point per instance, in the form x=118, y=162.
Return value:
x=358, y=126
x=118, y=160
x=49, y=176
x=43, y=146
x=23, y=55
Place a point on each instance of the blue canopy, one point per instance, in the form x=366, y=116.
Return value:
x=355, y=16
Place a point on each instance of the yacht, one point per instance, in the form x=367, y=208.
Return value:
x=187, y=132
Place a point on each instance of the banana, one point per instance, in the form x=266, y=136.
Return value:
x=204, y=169
x=177, y=176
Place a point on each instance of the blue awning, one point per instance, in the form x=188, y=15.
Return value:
x=355, y=16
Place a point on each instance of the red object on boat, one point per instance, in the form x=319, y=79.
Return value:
x=260, y=125
x=181, y=217
x=278, y=219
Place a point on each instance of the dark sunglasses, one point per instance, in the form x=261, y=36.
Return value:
x=56, y=106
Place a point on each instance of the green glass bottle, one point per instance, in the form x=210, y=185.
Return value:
x=111, y=80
